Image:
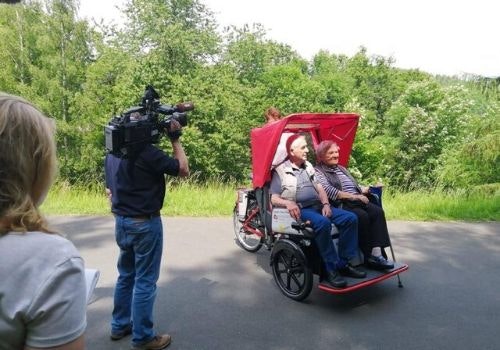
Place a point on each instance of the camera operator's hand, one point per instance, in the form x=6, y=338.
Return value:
x=175, y=130
x=174, y=133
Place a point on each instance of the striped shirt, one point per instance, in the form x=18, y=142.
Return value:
x=332, y=192
x=347, y=185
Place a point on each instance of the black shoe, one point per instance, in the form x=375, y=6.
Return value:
x=334, y=280
x=378, y=263
x=351, y=271
x=121, y=334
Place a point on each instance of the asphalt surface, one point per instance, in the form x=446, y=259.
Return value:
x=214, y=295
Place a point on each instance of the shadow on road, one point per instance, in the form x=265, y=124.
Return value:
x=214, y=295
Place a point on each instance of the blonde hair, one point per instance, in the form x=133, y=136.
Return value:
x=27, y=164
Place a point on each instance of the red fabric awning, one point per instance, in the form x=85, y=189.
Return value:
x=338, y=127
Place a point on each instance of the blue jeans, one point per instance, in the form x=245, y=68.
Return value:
x=347, y=224
x=141, y=245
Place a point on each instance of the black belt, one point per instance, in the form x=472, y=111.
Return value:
x=144, y=216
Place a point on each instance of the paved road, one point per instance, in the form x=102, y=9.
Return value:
x=214, y=295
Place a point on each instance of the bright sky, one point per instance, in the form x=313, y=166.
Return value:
x=449, y=37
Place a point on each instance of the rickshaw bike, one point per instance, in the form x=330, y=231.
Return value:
x=294, y=256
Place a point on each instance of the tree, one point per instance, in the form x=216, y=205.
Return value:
x=374, y=82
x=169, y=38
x=18, y=47
x=290, y=88
x=474, y=160
x=50, y=52
x=251, y=54
x=330, y=72
x=425, y=120
x=413, y=127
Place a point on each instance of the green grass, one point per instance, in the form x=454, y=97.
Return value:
x=182, y=199
x=440, y=206
x=189, y=199
x=66, y=200
x=216, y=199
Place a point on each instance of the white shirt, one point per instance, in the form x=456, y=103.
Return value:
x=42, y=291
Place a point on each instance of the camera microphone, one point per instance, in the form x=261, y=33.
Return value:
x=185, y=106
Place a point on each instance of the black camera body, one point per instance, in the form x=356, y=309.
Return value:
x=143, y=124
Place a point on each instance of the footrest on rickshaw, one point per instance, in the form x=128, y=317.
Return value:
x=372, y=277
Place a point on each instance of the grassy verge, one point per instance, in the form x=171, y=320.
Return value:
x=182, y=199
x=65, y=200
x=440, y=206
x=216, y=199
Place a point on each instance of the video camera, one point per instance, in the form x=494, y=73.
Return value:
x=142, y=124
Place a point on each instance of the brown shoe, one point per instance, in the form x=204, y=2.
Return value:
x=157, y=343
x=121, y=334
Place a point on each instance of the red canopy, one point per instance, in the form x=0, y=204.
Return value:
x=338, y=127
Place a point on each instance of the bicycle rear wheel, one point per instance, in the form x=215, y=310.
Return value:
x=246, y=240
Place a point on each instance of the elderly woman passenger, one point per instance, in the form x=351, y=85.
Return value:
x=344, y=191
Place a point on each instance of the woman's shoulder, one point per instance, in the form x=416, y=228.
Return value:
x=37, y=256
x=320, y=168
x=50, y=246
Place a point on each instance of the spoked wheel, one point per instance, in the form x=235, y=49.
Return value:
x=247, y=240
x=290, y=270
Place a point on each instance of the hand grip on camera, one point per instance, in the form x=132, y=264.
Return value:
x=175, y=130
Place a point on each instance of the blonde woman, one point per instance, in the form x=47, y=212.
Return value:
x=42, y=288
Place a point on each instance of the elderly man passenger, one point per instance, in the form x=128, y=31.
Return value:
x=293, y=186
x=342, y=189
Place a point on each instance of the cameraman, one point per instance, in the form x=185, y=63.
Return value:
x=136, y=188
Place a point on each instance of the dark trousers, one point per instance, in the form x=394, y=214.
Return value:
x=372, y=227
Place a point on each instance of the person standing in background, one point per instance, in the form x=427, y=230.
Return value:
x=272, y=114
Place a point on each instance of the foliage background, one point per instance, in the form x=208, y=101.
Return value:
x=417, y=131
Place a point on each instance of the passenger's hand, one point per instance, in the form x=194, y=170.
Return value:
x=293, y=209
x=326, y=211
x=362, y=198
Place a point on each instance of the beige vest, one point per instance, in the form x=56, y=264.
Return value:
x=289, y=180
